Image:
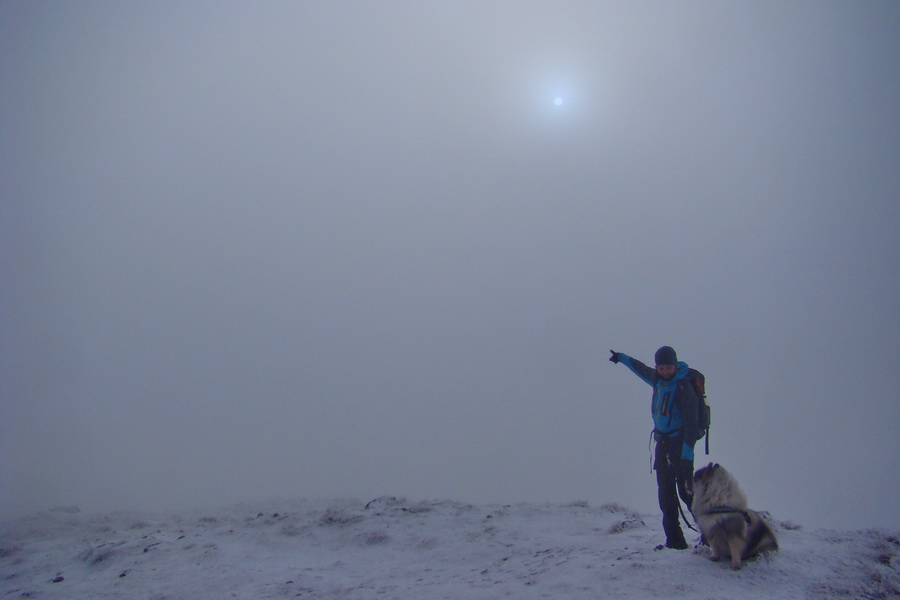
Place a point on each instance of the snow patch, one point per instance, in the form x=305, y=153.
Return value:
x=392, y=548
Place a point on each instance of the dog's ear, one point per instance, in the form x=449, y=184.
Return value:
x=702, y=472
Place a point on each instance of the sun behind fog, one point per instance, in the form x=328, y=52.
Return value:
x=558, y=101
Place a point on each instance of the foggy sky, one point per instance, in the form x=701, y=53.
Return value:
x=347, y=249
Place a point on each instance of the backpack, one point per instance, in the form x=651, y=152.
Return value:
x=698, y=383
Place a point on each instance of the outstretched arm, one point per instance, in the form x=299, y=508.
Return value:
x=649, y=375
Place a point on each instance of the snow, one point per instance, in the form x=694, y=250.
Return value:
x=394, y=548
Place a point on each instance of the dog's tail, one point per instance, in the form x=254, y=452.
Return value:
x=760, y=537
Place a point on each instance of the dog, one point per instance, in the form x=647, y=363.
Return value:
x=727, y=524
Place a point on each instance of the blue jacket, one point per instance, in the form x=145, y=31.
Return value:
x=674, y=406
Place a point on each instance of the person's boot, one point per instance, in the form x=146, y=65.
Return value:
x=674, y=535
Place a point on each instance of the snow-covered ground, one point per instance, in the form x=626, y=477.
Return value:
x=393, y=548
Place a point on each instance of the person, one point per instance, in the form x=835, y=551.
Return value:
x=675, y=429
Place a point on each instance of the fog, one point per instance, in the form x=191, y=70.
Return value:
x=347, y=249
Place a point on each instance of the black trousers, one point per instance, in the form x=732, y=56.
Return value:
x=672, y=481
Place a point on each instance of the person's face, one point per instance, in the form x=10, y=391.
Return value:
x=666, y=371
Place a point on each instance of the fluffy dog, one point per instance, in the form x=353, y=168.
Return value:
x=728, y=525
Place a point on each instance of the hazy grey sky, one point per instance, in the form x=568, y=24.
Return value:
x=330, y=249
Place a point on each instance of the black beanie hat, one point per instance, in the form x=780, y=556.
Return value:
x=666, y=356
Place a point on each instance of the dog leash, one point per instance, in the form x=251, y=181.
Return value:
x=677, y=495
x=684, y=518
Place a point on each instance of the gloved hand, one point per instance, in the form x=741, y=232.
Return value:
x=687, y=453
x=685, y=475
x=614, y=358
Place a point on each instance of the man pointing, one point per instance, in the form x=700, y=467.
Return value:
x=674, y=410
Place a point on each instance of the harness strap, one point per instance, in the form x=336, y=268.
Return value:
x=658, y=435
x=725, y=510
